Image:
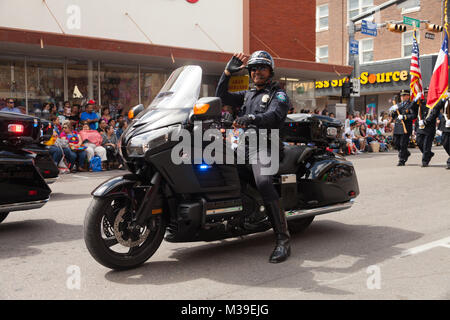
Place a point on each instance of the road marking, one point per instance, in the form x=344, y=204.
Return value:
x=445, y=243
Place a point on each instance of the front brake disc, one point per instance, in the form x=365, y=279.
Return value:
x=120, y=233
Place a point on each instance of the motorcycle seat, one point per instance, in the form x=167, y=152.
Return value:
x=293, y=156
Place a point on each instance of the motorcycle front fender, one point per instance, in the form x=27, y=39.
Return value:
x=114, y=185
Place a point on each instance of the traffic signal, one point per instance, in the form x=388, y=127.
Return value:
x=434, y=27
x=393, y=27
x=347, y=89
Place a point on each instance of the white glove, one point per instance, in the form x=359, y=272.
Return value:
x=400, y=117
x=419, y=95
x=447, y=124
x=394, y=108
x=421, y=123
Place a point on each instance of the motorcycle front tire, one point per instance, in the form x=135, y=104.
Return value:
x=100, y=251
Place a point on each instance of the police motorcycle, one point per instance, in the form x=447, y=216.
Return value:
x=24, y=163
x=130, y=215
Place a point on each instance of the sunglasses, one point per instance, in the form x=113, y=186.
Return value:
x=10, y=101
x=258, y=67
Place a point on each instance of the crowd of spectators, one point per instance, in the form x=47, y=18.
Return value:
x=369, y=133
x=81, y=134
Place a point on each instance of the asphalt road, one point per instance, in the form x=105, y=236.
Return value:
x=393, y=244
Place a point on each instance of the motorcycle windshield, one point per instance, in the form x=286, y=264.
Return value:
x=180, y=91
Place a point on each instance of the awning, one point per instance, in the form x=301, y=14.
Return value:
x=164, y=58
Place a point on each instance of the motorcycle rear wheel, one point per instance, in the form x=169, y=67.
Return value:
x=105, y=245
x=3, y=216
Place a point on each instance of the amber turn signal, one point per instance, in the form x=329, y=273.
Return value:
x=201, y=108
x=131, y=114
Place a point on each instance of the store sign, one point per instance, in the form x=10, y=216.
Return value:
x=238, y=83
x=429, y=35
x=368, y=78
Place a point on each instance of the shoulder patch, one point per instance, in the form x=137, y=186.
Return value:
x=281, y=96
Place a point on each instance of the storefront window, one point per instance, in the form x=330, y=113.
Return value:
x=12, y=81
x=45, y=81
x=119, y=87
x=151, y=83
x=301, y=94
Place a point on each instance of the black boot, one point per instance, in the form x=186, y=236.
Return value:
x=401, y=163
x=279, y=224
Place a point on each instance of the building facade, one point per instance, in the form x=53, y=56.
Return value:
x=120, y=55
x=383, y=59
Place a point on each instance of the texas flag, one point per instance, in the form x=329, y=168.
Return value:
x=439, y=80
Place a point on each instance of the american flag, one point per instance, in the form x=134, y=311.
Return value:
x=416, y=75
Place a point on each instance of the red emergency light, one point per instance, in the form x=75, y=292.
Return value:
x=15, y=128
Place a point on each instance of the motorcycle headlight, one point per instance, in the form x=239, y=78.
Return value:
x=140, y=144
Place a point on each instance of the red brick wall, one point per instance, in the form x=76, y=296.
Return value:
x=387, y=45
x=285, y=29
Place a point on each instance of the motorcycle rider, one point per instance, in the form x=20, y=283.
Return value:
x=265, y=106
x=403, y=113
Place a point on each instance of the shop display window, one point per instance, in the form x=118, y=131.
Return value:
x=45, y=81
x=119, y=87
x=82, y=81
x=12, y=81
x=151, y=83
x=301, y=93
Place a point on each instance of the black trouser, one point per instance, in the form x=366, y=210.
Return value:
x=425, y=142
x=401, y=142
x=446, y=145
x=264, y=183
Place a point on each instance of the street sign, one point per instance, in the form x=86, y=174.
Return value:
x=354, y=47
x=369, y=28
x=429, y=35
x=411, y=22
x=356, y=90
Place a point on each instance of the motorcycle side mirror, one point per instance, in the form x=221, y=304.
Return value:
x=134, y=112
x=206, y=108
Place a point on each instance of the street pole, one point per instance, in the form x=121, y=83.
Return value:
x=352, y=60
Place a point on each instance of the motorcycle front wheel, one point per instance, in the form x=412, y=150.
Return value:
x=112, y=242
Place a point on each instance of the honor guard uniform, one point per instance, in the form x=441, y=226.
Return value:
x=425, y=128
x=444, y=125
x=404, y=114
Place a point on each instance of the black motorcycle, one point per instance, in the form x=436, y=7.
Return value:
x=129, y=215
x=22, y=181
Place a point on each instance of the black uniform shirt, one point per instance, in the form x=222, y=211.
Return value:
x=269, y=105
x=407, y=109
